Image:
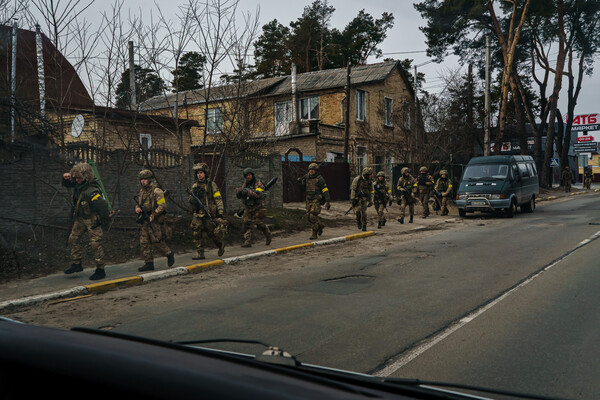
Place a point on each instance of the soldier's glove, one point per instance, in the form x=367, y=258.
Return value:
x=327, y=206
x=354, y=202
x=370, y=204
x=244, y=192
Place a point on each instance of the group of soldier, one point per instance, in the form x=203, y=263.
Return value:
x=364, y=193
x=567, y=178
x=91, y=212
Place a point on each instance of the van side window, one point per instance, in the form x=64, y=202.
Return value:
x=530, y=169
x=514, y=172
x=523, y=170
x=533, y=167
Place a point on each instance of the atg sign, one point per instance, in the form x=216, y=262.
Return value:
x=586, y=122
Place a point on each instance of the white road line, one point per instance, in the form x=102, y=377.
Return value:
x=428, y=343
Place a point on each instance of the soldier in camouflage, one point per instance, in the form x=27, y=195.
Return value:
x=405, y=187
x=252, y=194
x=90, y=213
x=208, y=193
x=567, y=178
x=382, y=196
x=317, y=194
x=588, y=176
x=361, y=196
x=424, y=186
x=443, y=189
x=152, y=199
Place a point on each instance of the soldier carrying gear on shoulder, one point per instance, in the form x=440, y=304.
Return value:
x=152, y=233
x=567, y=178
x=90, y=213
x=405, y=187
x=381, y=198
x=443, y=187
x=252, y=194
x=317, y=194
x=424, y=185
x=208, y=193
x=361, y=196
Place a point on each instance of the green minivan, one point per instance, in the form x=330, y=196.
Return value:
x=498, y=183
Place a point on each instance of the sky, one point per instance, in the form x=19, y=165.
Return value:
x=404, y=40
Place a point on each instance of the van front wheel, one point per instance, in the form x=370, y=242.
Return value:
x=530, y=206
x=512, y=210
x=462, y=213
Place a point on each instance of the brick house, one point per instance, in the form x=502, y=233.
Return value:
x=306, y=113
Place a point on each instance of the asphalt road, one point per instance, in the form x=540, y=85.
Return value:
x=465, y=304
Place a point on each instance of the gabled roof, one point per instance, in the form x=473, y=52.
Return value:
x=305, y=82
x=64, y=88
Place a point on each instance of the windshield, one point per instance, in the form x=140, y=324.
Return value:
x=486, y=171
x=208, y=174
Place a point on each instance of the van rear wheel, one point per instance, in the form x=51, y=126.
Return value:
x=529, y=207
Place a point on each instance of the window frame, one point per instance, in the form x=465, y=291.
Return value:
x=309, y=104
x=361, y=105
x=387, y=111
x=212, y=120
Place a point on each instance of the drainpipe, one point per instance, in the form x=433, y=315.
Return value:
x=13, y=80
x=294, y=97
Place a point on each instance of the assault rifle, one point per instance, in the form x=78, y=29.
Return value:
x=143, y=215
x=202, y=206
x=268, y=186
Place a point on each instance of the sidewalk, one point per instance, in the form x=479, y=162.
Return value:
x=56, y=286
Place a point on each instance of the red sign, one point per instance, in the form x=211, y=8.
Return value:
x=585, y=119
x=585, y=139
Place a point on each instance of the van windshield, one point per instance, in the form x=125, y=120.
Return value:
x=486, y=172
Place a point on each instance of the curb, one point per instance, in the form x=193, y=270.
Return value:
x=15, y=304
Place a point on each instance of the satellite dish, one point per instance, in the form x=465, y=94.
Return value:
x=77, y=126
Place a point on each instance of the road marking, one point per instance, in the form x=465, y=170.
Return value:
x=427, y=343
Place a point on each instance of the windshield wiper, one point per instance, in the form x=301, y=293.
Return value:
x=418, y=382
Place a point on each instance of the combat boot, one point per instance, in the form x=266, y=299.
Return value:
x=320, y=230
x=200, y=255
x=384, y=221
x=359, y=224
x=98, y=274
x=221, y=249
x=410, y=221
x=171, y=259
x=75, y=267
x=364, y=228
x=379, y=225
x=314, y=234
x=401, y=220
x=268, y=237
x=149, y=266
x=246, y=244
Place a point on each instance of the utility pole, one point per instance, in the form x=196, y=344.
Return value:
x=133, y=100
x=486, y=124
x=347, y=113
x=13, y=80
x=415, y=109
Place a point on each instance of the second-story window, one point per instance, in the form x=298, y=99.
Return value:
x=387, y=111
x=309, y=108
x=283, y=117
x=361, y=105
x=214, y=122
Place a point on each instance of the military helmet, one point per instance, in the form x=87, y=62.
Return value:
x=248, y=171
x=367, y=171
x=381, y=173
x=314, y=166
x=200, y=167
x=145, y=174
x=405, y=170
x=443, y=172
x=423, y=169
x=83, y=171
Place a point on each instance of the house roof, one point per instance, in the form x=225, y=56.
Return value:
x=305, y=82
x=120, y=114
x=63, y=86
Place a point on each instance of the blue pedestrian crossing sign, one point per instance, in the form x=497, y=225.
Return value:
x=554, y=162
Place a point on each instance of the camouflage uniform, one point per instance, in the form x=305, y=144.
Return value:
x=567, y=178
x=588, y=176
x=317, y=194
x=252, y=194
x=208, y=193
x=443, y=187
x=361, y=196
x=90, y=212
x=381, y=197
x=152, y=198
x=405, y=187
x=424, y=186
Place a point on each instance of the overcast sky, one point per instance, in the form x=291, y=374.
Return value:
x=405, y=40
